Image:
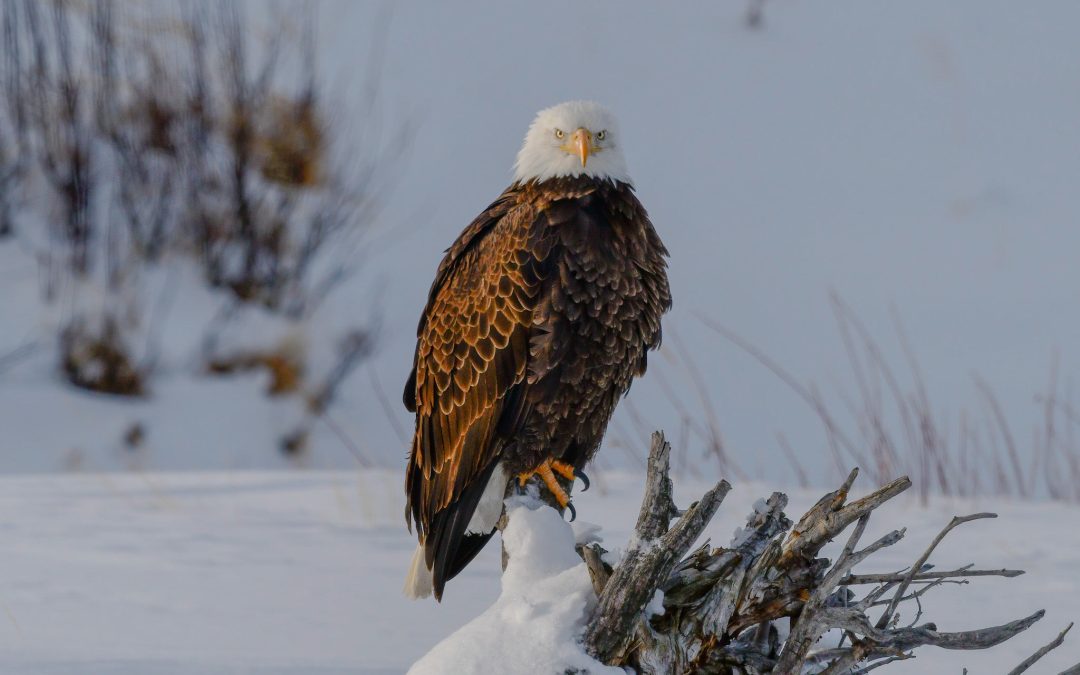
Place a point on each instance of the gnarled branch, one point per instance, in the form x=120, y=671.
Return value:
x=721, y=604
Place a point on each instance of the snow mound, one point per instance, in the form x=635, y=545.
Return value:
x=535, y=624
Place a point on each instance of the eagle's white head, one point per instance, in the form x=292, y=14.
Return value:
x=576, y=138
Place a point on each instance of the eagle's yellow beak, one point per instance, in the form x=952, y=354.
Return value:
x=581, y=144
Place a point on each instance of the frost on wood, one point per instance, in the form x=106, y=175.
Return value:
x=725, y=609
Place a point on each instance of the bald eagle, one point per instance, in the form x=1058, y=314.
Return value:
x=540, y=316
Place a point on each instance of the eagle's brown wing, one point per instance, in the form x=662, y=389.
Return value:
x=468, y=382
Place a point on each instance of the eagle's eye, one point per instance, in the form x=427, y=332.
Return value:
x=601, y=135
x=559, y=133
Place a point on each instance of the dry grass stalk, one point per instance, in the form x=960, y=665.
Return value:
x=892, y=427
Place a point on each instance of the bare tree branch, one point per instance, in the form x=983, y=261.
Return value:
x=853, y=579
x=957, y=520
x=1043, y=651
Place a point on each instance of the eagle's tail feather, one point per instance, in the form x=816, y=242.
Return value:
x=418, y=580
x=449, y=546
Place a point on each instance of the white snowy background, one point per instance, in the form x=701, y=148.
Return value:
x=918, y=156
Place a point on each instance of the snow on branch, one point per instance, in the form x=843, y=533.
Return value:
x=725, y=609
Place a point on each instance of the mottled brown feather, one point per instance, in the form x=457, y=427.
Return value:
x=471, y=350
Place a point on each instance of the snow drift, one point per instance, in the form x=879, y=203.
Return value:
x=535, y=624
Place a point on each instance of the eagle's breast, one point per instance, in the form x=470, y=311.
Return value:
x=600, y=315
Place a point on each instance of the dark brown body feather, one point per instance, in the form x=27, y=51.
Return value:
x=540, y=315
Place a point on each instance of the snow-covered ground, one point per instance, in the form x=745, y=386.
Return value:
x=300, y=572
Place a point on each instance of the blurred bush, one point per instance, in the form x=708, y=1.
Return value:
x=134, y=136
x=97, y=358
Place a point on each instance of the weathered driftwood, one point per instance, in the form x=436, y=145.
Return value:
x=725, y=609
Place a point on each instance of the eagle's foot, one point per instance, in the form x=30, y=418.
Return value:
x=567, y=471
x=546, y=471
x=563, y=469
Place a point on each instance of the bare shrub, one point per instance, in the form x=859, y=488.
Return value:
x=196, y=136
x=96, y=357
x=12, y=119
x=140, y=116
x=261, y=214
x=320, y=394
x=154, y=135
x=206, y=144
x=62, y=127
x=284, y=365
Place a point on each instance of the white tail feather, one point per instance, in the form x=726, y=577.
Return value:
x=490, y=506
x=418, y=580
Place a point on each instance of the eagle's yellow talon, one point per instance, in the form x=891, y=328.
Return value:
x=546, y=471
x=563, y=469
